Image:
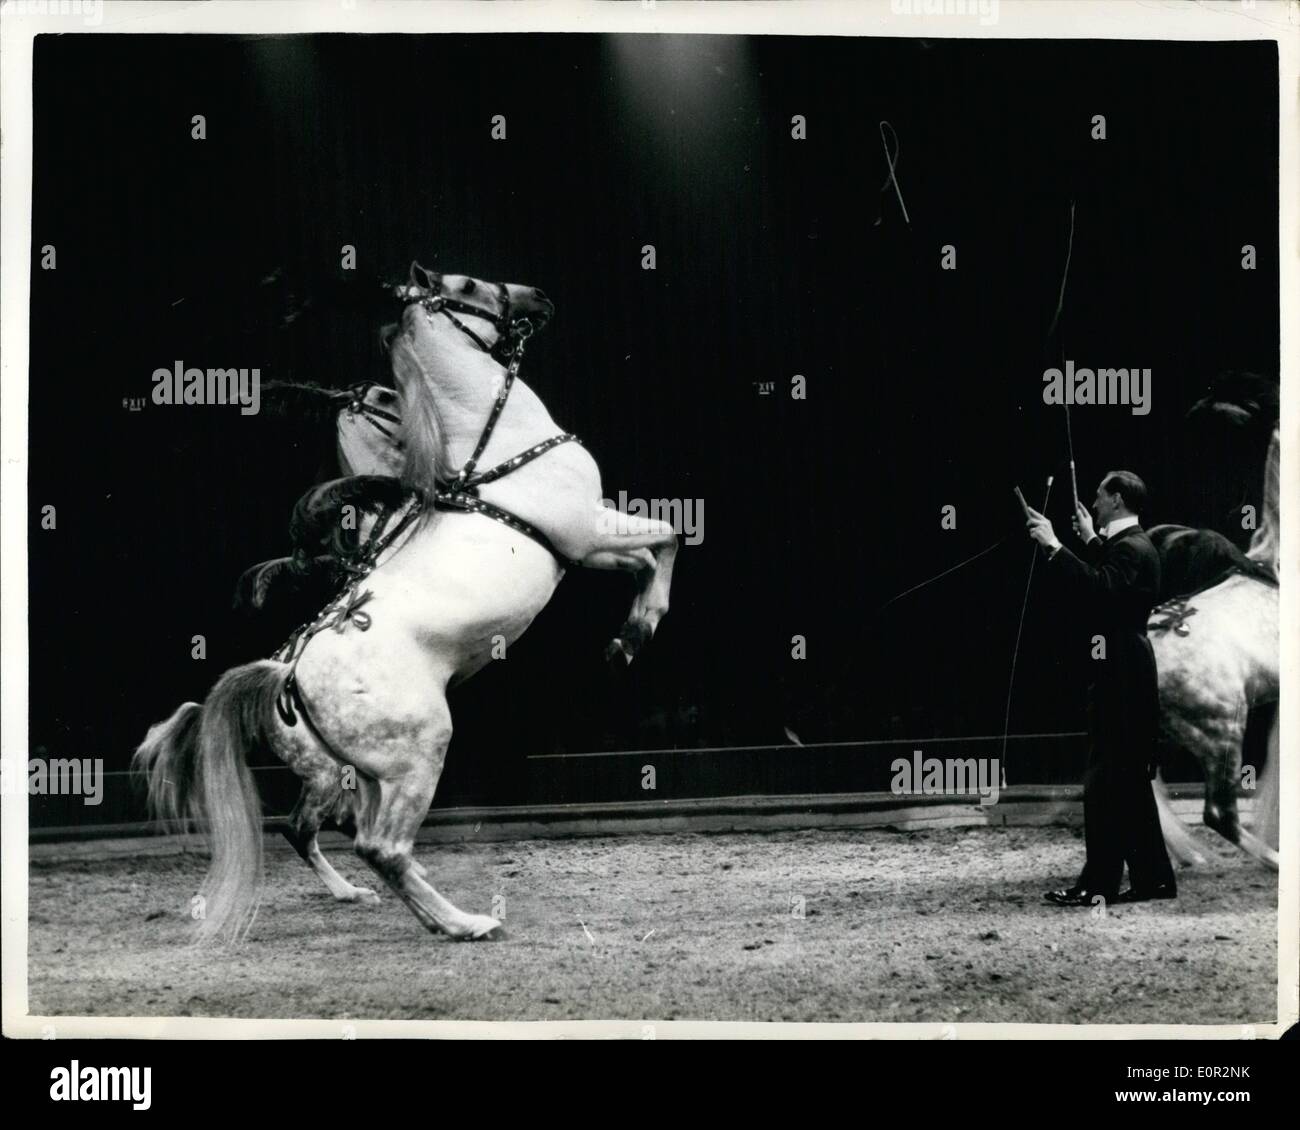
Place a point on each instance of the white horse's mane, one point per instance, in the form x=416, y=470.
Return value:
x=421, y=436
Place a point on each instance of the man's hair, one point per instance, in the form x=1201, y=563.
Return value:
x=1129, y=487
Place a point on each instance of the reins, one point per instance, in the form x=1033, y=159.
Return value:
x=353, y=398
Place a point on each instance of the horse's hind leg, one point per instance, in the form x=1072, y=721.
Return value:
x=1220, y=734
x=389, y=815
x=322, y=796
x=304, y=823
x=1211, y=726
x=1256, y=843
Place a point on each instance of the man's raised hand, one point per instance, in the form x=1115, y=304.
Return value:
x=1040, y=529
x=1083, y=523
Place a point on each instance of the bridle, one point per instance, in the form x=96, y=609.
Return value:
x=512, y=331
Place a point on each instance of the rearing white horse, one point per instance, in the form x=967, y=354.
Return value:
x=466, y=567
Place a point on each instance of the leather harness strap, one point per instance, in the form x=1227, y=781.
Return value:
x=346, y=608
x=461, y=493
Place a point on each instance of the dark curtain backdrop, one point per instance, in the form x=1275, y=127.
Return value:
x=774, y=257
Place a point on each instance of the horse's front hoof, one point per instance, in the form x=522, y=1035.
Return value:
x=618, y=654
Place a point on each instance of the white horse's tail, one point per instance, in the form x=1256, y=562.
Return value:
x=1262, y=844
x=197, y=774
x=1267, y=796
x=1182, y=847
x=1264, y=541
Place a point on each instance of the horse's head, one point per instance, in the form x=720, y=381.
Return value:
x=454, y=336
x=456, y=312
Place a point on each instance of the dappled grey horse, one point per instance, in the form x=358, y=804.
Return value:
x=356, y=702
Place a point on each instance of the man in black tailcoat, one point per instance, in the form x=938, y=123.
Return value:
x=1117, y=577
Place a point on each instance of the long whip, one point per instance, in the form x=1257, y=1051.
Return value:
x=1015, y=654
x=1074, y=491
x=1056, y=318
x=940, y=576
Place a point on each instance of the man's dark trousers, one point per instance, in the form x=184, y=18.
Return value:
x=1119, y=582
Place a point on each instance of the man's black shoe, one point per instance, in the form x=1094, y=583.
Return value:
x=1166, y=891
x=1072, y=896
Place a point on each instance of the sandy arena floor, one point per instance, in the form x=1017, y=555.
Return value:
x=937, y=926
